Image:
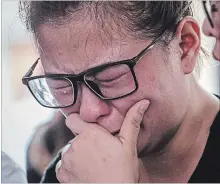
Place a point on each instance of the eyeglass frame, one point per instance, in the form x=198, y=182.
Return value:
x=81, y=76
x=207, y=14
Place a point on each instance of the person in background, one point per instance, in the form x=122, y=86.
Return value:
x=122, y=74
x=10, y=171
x=211, y=25
x=46, y=142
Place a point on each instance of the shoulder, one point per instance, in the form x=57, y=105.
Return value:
x=214, y=131
x=208, y=169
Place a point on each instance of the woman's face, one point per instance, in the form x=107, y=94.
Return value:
x=214, y=32
x=74, y=48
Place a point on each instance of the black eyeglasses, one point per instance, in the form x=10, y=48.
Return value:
x=207, y=13
x=109, y=81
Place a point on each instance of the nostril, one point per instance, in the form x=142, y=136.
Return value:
x=115, y=133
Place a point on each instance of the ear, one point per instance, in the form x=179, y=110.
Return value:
x=188, y=32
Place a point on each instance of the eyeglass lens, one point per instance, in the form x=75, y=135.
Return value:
x=110, y=82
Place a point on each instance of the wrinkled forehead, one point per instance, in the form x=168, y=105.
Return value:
x=77, y=46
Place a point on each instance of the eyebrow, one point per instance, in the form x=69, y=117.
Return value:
x=60, y=69
x=106, y=63
x=52, y=73
x=64, y=71
x=48, y=73
x=73, y=73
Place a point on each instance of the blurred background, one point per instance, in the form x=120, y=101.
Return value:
x=21, y=114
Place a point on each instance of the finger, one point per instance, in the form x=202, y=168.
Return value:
x=58, y=166
x=131, y=124
x=76, y=124
x=64, y=176
x=65, y=149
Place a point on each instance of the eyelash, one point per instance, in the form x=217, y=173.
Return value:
x=110, y=80
x=63, y=87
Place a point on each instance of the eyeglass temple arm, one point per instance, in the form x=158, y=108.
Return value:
x=208, y=16
x=137, y=58
x=30, y=71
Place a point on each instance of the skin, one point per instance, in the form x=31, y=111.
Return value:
x=166, y=84
x=214, y=32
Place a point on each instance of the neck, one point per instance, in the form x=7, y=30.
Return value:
x=180, y=157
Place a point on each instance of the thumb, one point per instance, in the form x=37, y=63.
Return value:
x=131, y=126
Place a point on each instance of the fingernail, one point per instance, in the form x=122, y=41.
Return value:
x=58, y=166
x=144, y=107
x=65, y=149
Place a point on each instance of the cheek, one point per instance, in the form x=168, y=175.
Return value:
x=216, y=50
x=149, y=87
x=216, y=19
x=206, y=27
x=124, y=104
x=166, y=91
x=147, y=83
x=69, y=110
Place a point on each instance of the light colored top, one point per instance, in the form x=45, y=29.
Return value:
x=11, y=172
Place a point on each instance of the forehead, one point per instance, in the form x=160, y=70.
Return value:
x=77, y=46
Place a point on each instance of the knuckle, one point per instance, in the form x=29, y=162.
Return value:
x=136, y=121
x=59, y=174
x=65, y=149
x=67, y=165
x=67, y=161
x=74, y=144
x=62, y=176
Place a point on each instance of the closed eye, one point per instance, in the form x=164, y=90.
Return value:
x=60, y=87
x=111, y=79
x=58, y=83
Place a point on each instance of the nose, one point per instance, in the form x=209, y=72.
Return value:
x=92, y=107
x=213, y=32
x=206, y=27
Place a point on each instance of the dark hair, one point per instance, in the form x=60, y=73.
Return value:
x=141, y=19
